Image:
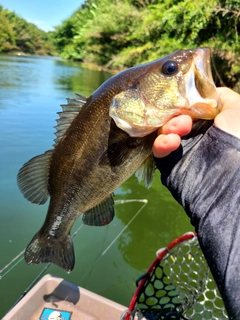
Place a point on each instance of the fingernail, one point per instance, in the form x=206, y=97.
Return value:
x=176, y=121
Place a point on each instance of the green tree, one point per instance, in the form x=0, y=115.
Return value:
x=16, y=34
x=122, y=33
x=7, y=36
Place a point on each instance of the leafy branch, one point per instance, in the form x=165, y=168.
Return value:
x=232, y=12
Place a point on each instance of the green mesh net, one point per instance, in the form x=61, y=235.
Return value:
x=178, y=285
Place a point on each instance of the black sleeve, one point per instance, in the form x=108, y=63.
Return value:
x=203, y=175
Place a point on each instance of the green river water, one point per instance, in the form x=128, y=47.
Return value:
x=31, y=91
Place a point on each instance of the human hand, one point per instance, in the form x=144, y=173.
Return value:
x=228, y=120
x=201, y=170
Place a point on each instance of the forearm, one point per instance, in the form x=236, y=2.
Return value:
x=207, y=183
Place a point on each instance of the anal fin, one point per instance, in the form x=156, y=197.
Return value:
x=100, y=215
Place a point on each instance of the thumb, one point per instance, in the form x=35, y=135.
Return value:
x=228, y=119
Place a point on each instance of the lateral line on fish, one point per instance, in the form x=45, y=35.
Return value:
x=119, y=120
x=92, y=129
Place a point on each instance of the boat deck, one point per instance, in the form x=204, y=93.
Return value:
x=54, y=298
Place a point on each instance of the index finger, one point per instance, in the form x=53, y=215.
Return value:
x=169, y=138
x=180, y=125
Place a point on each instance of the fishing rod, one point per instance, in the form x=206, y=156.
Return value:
x=18, y=258
x=144, y=201
x=37, y=277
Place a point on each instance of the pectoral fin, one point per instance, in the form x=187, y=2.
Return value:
x=115, y=155
x=32, y=178
x=119, y=151
x=146, y=172
x=100, y=215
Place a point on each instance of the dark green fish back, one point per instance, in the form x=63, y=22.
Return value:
x=91, y=158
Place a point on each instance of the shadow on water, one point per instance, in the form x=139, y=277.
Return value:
x=108, y=259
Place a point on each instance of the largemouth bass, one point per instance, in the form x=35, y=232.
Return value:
x=102, y=140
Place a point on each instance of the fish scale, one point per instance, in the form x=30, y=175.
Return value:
x=102, y=140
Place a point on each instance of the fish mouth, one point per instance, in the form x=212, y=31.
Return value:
x=200, y=88
x=192, y=92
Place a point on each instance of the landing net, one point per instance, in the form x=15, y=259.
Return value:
x=178, y=285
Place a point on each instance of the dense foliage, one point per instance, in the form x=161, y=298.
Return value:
x=117, y=34
x=18, y=35
x=121, y=33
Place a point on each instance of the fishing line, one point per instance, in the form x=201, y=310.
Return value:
x=144, y=201
x=10, y=263
x=130, y=221
x=37, y=277
x=20, y=255
x=76, y=232
x=30, y=286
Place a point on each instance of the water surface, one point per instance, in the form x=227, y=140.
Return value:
x=31, y=91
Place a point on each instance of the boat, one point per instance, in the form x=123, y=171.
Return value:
x=54, y=298
x=177, y=285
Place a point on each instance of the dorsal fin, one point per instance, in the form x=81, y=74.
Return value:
x=70, y=111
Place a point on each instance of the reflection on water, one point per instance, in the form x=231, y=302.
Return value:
x=31, y=90
x=68, y=75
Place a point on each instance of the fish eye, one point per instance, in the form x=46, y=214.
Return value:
x=169, y=68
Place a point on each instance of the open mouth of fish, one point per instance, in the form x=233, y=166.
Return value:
x=200, y=88
x=195, y=92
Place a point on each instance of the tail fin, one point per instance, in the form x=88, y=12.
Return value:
x=57, y=251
